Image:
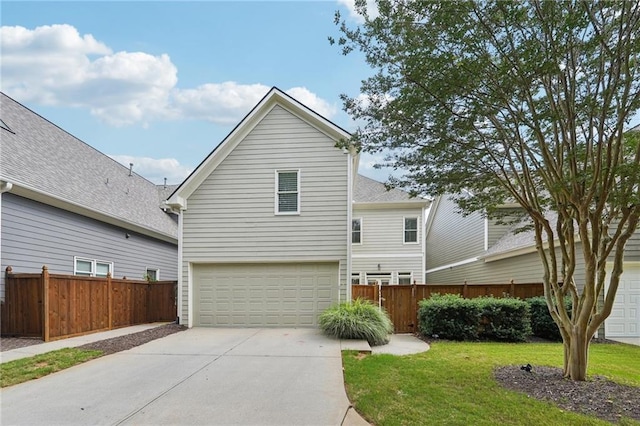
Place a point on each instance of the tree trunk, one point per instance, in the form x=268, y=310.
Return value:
x=576, y=352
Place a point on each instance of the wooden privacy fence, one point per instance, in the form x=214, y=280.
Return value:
x=52, y=306
x=401, y=301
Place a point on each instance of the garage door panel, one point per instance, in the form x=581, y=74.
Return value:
x=624, y=320
x=255, y=295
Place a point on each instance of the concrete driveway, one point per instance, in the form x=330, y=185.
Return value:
x=196, y=377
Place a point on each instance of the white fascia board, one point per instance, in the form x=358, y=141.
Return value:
x=48, y=199
x=452, y=265
x=386, y=255
x=417, y=204
x=509, y=253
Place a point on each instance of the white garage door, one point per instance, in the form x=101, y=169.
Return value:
x=624, y=320
x=263, y=295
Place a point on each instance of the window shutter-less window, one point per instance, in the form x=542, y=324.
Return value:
x=287, y=192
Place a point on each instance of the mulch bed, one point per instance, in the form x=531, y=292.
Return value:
x=596, y=397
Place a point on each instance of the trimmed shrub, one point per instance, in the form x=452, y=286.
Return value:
x=358, y=319
x=449, y=316
x=542, y=324
x=504, y=319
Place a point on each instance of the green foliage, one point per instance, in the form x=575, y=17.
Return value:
x=542, y=325
x=497, y=102
x=358, y=319
x=450, y=317
x=504, y=319
x=22, y=370
x=454, y=318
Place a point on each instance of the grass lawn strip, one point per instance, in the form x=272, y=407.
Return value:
x=22, y=370
x=453, y=384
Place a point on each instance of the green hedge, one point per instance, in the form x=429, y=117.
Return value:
x=359, y=319
x=452, y=317
x=542, y=324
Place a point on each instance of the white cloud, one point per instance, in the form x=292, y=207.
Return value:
x=56, y=65
x=350, y=5
x=224, y=103
x=311, y=100
x=156, y=169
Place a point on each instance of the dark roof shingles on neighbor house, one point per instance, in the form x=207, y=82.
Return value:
x=42, y=157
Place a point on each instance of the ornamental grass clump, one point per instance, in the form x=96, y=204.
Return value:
x=358, y=319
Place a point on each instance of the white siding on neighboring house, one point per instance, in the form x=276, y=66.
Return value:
x=230, y=217
x=452, y=237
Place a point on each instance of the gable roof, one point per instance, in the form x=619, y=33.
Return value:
x=274, y=97
x=41, y=161
x=371, y=192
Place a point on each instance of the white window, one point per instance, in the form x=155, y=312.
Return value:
x=379, y=278
x=355, y=278
x=404, y=278
x=92, y=267
x=356, y=231
x=410, y=230
x=287, y=192
x=152, y=274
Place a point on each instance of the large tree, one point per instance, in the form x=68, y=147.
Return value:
x=524, y=102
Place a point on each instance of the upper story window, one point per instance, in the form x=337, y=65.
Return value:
x=92, y=267
x=404, y=278
x=410, y=230
x=356, y=231
x=287, y=192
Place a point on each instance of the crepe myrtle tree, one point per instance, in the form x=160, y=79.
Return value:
x=515, y=102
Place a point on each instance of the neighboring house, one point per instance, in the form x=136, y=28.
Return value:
x=65, y=205
x=477, y=250
x=266, y=221
x=387, y=235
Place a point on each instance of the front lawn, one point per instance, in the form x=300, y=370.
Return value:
x=453, y=384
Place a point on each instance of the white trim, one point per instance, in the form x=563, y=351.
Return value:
x=26, y=191
x=404, y=275
x=404, y=240
x=94, y=266
x=452, y=265
x=156, y=270
x=180, y=268
x=349, y=230
x=511, y=253
x=385, y=255
x=486, y=233
x=423, y=277
x=190, y=294
x=277, y=192
x=361, y=229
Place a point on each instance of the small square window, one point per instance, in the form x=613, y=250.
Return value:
x=84, y=267
x=410, y=229
x=152, y=274
x=356, y=231
x=355, y=279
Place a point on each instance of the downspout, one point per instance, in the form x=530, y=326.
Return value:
x=5, y=186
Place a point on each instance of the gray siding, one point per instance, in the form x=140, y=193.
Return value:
x=453, y=237
x=35, y=234
x=383, y=243
x=230, y=217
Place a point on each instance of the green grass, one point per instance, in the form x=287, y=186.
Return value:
x=22, y=370
x=453, y=384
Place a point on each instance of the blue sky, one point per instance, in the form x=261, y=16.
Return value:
x=160, y=84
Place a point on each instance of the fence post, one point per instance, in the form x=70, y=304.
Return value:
x=512, y=288
x=45, y=304
x=110, y=300
x=465, y=292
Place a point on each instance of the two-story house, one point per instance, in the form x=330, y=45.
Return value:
x=387, y=242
